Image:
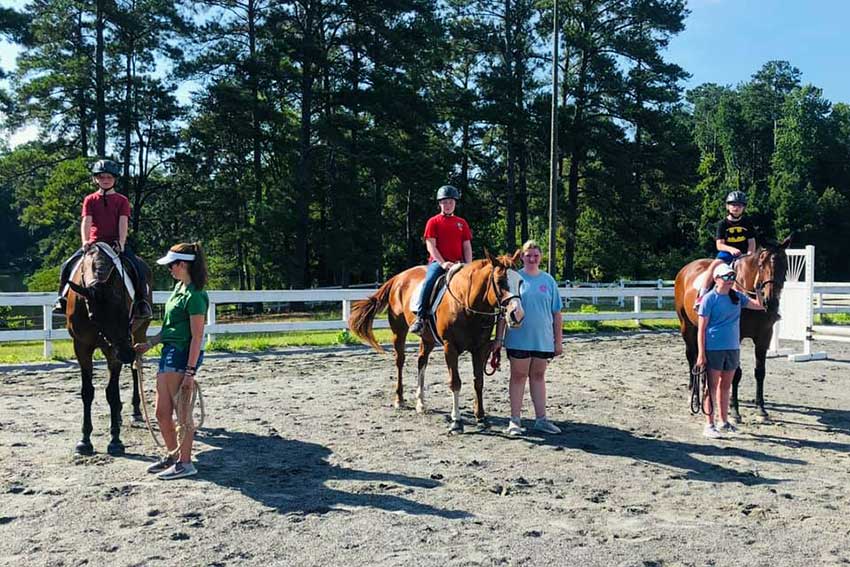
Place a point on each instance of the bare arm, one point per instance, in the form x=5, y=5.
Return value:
x=431, y=245
x=702, y=325
x=558, y=329
x=723, y=247
x=467, y=251
x=196, y=323
x=85, y=229
x=153, y=340
x=755, y=304
x=751, y=245
x=123, y=225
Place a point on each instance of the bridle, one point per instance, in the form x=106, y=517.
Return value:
x=499, y=313
x=109, y=342
x=758, y=285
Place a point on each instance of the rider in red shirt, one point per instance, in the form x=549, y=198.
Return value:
x=449, y=241
x=105, y=218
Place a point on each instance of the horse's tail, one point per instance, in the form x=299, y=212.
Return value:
x=363, y=312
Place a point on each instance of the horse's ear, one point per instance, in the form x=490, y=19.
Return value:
x=488, y=256
x=80, y=290
x=517, y=255
x=787, y=242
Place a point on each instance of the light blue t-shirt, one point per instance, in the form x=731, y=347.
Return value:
x=540, y=300
x=724, y=320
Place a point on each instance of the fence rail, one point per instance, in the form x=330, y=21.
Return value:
x=48, y=334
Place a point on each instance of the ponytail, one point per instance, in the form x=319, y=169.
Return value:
x=198, y=266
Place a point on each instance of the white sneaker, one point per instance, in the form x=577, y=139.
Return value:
x=545, y=426
x=727, y=427
x=711, y=432
x=514, y=429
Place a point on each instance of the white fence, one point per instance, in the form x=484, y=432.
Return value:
x=344, y=296
x=802, y=299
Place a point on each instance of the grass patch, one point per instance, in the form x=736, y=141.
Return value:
x=31, y=351
x=832, y=319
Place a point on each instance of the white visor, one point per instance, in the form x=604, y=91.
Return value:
x=173, y=256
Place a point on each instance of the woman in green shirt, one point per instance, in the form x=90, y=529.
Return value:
x=182, y=338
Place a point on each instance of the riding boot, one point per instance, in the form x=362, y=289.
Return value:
x=64, y=276
x=61, y=305
x=418, y=325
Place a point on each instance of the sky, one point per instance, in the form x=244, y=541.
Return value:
x=724, y=42
x=727, y=41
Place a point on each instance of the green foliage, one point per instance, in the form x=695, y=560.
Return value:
x=346, y=338
x=45, y=279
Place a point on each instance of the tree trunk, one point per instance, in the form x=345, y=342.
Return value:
x=304, y=175
x=99, y=81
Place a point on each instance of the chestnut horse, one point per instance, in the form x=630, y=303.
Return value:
x=477, y=295
x=761, y=273
x=98, y=317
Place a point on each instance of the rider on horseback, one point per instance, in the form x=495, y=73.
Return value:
x=735, y=236
x=106, y=215
x=449, y=241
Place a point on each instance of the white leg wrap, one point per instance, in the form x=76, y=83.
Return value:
x=455, y=406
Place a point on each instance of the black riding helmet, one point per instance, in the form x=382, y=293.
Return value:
x=736, y=197
x=448, y=192
x=106, y=166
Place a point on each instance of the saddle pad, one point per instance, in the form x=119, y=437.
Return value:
x=414, y=299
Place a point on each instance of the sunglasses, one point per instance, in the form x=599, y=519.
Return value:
x=730, y=277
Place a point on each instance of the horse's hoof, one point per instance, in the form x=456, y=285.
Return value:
x=84, y=448
x=138, y=418
x=398, y=404
x=456, y=428
x=420, y=408
x=483, y=424
x=763, y=417
x=115, y=448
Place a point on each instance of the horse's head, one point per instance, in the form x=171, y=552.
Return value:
x=107, y=302
x=768, y=267
x=507, y=283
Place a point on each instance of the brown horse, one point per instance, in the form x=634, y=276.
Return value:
x=98, y=317
x=477, y=295
x=761, y=273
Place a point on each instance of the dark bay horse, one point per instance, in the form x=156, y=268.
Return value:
x=761, y=273
x=98, y=317
x=477, y=294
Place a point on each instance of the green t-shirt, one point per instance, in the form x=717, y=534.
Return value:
x=184, y=302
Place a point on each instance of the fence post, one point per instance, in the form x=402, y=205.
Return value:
x=660, y=285
x=621, y=301
x=210, y=321
x=346, y=311
x=637, y=309
x=47, y=315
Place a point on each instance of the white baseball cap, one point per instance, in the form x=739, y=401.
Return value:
x=722, y=270
x=173, y=256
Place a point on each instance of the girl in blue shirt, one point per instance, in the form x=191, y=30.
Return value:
x=719, y=341
x=539, y=339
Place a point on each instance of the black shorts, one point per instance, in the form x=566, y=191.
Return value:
x=514, y=353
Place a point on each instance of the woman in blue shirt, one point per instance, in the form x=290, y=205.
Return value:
x=538, y=340
x=719, y=341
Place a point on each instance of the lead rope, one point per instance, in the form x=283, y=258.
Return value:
x=184, y=421
x=496, y=357
x=699, y=387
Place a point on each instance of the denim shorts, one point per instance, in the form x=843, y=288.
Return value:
x=172, y=359
x=725, y=256
x=723, y=359
x=516, y=353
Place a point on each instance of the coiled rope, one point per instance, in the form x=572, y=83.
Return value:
x=184, y=408
x=700, y=391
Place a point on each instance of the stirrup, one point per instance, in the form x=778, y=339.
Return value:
x=60, y=306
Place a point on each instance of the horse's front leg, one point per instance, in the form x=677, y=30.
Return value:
x=113, y=396
x=137, y=410
x=84, y=446
x=733, y=403
x=425, y=349
x=479, y=359
x=760, y=371
x=454, y=385
x=399, y=340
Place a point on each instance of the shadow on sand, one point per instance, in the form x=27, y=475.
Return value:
x=292, y=476
x=610, y=441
